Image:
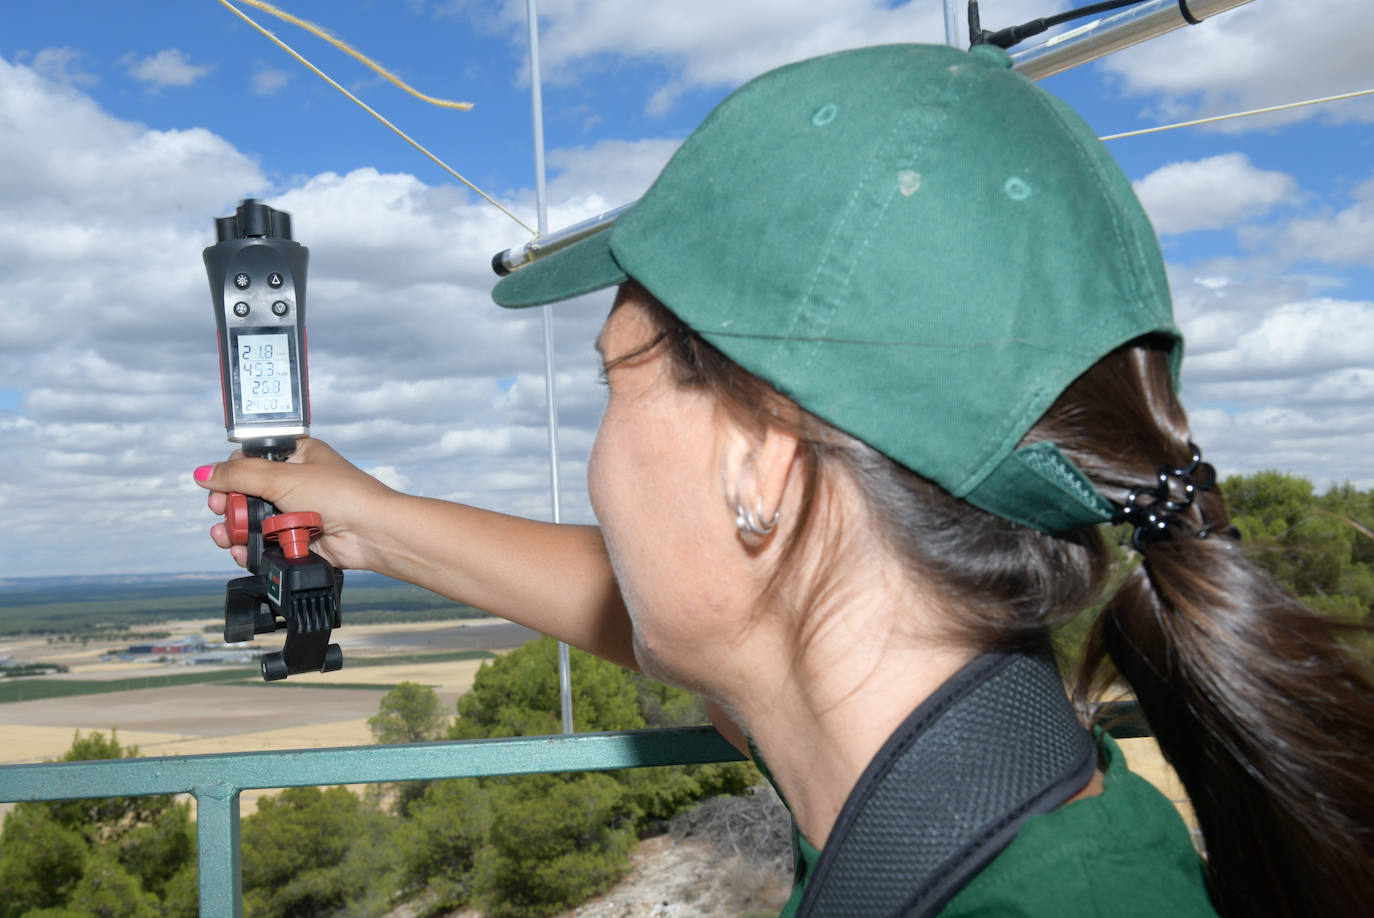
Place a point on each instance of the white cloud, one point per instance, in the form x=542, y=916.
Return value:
x=61, y=65
x=1343, y=238
x=1260, y=54
x=1295, y=340
x=1303, y=442
x=1275, y=377
x=168, y=67
x=716, y=43
x=268, y=80
x=1211, y=193
x=613, y=171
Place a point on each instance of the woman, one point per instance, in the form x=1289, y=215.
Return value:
x=892, y=338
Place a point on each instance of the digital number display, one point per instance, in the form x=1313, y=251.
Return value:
x=265, y=373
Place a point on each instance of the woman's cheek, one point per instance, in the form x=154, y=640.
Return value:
x=595, y=487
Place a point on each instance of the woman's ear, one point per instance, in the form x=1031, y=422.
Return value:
x=755, y=470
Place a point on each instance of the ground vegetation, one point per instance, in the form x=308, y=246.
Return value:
x=116, y=857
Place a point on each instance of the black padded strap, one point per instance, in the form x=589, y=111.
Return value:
x=996, y=744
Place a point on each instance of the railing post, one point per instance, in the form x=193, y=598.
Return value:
x=219, y=863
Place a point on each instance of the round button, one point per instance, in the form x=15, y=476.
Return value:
x=240, y=309
x=242, y=281
x=279, y=308
x=274, y=280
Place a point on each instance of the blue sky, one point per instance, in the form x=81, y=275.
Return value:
x=125, y=129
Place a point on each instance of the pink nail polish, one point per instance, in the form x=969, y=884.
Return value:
x=203, y=472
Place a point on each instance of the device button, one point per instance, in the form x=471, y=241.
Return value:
x=292, y=531
x=240, y=309
x=242, y=281
x=274, y=280
x=279, y=308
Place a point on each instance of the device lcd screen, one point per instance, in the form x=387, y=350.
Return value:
x=264, y=374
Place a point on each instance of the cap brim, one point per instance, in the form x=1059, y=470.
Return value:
x=582, y=267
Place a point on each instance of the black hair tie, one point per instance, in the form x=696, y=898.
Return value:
x=1157, y=509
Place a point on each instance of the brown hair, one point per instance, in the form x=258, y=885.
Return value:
x=1263, y=712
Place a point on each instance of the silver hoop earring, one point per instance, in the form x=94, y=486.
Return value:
x=752, y=520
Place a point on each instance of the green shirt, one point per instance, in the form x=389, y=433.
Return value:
x=1122, y=854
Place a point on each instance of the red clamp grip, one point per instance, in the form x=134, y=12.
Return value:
x=236, y=518
x=293, y=531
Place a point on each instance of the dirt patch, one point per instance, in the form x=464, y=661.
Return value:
x=194, y=711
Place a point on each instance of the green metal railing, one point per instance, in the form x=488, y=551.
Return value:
x=216, y=780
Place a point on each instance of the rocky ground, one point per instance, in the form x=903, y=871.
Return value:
x=680, y=878
x=690, y=878
x=728, y=858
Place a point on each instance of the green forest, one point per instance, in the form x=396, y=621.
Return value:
x=519, y=847
x=1320, y=547
x=515, y=847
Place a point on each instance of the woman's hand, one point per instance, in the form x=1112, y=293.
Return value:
x=555, y=579
x=315, y=478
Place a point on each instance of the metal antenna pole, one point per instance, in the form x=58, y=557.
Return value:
x=541, y=197
x=952, y=24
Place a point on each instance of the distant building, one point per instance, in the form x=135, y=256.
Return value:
x=192, y=643
x=189, y=651
x=214, y=657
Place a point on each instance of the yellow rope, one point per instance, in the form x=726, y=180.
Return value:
x=1253, y=111
x=357, y=55
x=367, y=108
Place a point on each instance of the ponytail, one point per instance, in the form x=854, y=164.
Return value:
x=1264, y=713
x=1266, y=717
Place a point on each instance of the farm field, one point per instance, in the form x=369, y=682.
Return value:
x=237, y=712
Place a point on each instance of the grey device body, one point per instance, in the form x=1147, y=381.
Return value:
x=257, y=283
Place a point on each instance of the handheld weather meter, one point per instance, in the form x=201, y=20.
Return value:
x=257, y=285
x=257, y=282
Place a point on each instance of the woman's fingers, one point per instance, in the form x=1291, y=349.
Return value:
x=219, y=533
x=314, y=478
x=257, y=477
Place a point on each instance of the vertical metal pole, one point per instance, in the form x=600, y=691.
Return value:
x=541, y=198
x=952, y=24
x=219, y=862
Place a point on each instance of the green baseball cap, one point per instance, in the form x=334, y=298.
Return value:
x=914, y=243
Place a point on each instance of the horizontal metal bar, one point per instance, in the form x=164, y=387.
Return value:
x=1101, y=37
x=223, y=774
x=1061, y=52
x=504, y=263
x=231, y=772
